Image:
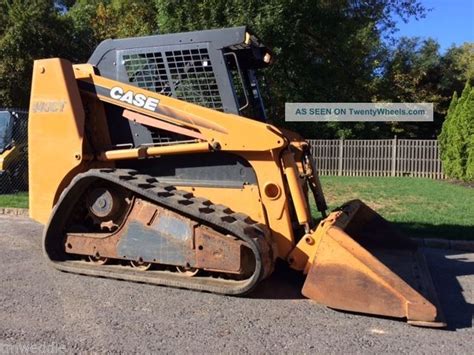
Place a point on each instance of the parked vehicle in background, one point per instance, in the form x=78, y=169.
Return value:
x=13, y=151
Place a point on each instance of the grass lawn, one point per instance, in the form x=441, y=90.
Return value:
x=419, y=207
x=18, y=200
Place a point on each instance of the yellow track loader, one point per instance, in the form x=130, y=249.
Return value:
x=154, y=163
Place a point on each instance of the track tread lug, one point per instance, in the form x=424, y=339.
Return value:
x=184, y=194
x=243, y=217
x=228, y=219
x=185, y=202
x=126, y=177
x=206, y=210
x=107, y=170
x=223, y=209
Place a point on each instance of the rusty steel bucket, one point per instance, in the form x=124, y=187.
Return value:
x=363, y=264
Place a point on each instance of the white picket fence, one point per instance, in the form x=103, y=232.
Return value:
x=377, y=157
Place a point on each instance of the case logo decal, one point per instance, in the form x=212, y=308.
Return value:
x=138, y=100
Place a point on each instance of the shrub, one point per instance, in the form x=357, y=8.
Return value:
x=457, y=136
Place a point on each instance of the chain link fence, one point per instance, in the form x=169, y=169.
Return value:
x=13, y=151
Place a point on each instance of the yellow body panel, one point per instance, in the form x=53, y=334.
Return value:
x=56, y=127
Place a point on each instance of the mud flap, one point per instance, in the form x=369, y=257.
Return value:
x=363, y=264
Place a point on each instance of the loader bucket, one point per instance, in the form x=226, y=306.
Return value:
x=363, y=264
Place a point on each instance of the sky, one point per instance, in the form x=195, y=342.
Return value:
x=449, y=21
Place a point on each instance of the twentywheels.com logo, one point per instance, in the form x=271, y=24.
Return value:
x=32, y=348
x=358, y=112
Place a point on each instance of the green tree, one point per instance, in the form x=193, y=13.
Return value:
x=412, y=73
x=326, y=51
x=443, y=137
x=458, y=66
x=456, y=137
x=467, y=148
x=470, y=145
x=31, y=30
x=97, y=20
x=81, y=15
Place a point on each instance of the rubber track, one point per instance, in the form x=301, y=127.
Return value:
x=219, y=217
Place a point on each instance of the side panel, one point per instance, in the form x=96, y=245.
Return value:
x=254, y=201
x=55, y=131
x=216, y=169
x=276, y=200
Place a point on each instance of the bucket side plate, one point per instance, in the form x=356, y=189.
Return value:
x=363, y=264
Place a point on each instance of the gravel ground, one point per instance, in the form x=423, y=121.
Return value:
x=45, y=311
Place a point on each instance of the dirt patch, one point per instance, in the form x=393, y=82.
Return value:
x=461, y=183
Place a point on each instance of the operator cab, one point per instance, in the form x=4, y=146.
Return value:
x=212, y=68
x=6, y=130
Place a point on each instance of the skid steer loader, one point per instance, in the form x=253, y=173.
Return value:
x=154, y=163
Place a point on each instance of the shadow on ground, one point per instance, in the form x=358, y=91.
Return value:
x=284, y=283
x=444, y=231
x=446, y=267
